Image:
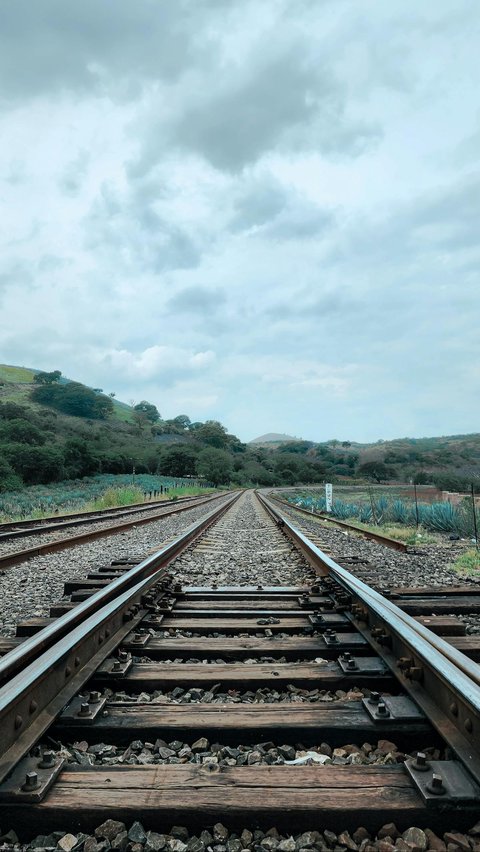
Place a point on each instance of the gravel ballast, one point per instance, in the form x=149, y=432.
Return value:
x=114, y=834
x=30, y=588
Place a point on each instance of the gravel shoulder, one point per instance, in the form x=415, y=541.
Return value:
x=30, y=588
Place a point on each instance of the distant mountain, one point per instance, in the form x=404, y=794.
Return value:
x=274, y=438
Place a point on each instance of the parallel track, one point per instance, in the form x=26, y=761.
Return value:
x=380, y=538
x=29, y=526
x=15, y=557
x=334, y=633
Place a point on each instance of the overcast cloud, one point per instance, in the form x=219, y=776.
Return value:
x=266, y=213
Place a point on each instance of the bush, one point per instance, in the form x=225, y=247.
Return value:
x=36, y=464
x=21, y=431
x=9, y=480
x=74, y=399
x=215, y=465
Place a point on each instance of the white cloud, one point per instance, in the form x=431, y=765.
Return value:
x=157, y=362
x=265, y=214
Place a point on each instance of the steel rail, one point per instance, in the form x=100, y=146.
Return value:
x=48, y=670
x=378, y=537
x=46, y=525
x=40, y=641
x=450, y=694
x=63, y=543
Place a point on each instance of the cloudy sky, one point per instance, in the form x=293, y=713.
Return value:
x=263, y=212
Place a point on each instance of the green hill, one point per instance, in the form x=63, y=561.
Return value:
x=56, y=429
x=16, y=382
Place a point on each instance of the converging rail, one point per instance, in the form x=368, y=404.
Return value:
x=52, y=546
x=113, y=667
x=29, y=526
x=380, y=538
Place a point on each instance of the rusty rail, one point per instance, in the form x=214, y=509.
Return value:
x=46, y=671
x=440, y=679
x=61, y=544
x=378, y=537
x=29, y=526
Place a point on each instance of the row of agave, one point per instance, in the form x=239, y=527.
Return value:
x=73, y=494
x=440, y=517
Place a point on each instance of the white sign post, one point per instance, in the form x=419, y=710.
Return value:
x=328, y=496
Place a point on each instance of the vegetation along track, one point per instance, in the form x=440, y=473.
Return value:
x=46, y=538
x=380, y=538
x=239, y=683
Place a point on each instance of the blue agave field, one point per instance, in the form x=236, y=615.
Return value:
x=73, y=494
x=437, y=517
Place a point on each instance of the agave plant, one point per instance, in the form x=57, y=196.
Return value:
x=400, y=513
x=365, y=514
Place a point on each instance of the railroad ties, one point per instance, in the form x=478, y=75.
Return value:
x=236, y=696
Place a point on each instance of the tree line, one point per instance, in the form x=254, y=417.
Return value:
x=73, y=431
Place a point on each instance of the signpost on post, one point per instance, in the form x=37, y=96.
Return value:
x=328, y=496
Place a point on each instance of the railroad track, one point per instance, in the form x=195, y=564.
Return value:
x=293, y=696
x=380, y=538
x=29, y=526
x=46, y=534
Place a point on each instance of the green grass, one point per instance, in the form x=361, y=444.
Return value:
x=130, y=494
x=409, y=535
x=468, y=564
x=18, y=390
x=125, y=496
x=122, y=411
x=40, y=501
x=16, y=374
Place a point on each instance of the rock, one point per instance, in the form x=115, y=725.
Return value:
x=345, y=840
x=459, y=839
x=109, y=829
x=360, y=834
x=416, y=838
x=246, y=837
x=385, y=746
x=330, y=837
x=201, y=744
x=177, y=845
x=91, y=845
x=287, y=751
x=67, y=842
x=120, y=841
x=307, y=839
x=356, y=759
x=38, y=842
x=402, y=846
x=220, y=832
x=287, y=845
x=385, y=845
x=206, y=838
x=434, y=842
x=137, y=833
x=155, y=842
x=11, y=838
x=136, y=847
x=234, y=845
x=269, y=843
x=475, y=831
x=180, y=832
x=388, y=830
x=166, y=752
x=195, y=845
